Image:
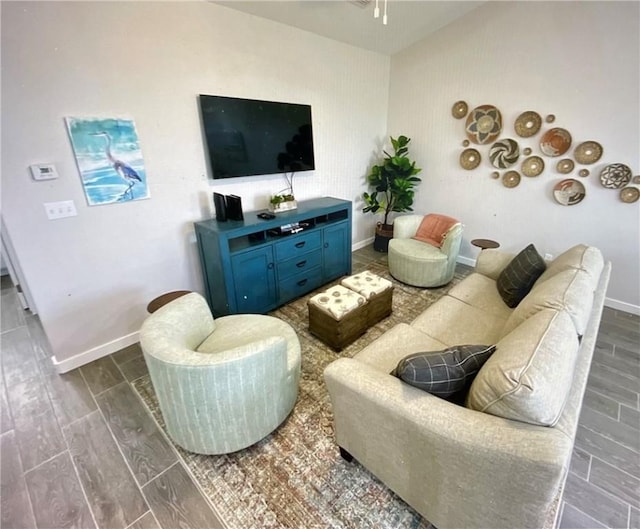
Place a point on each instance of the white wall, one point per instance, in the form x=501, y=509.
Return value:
x=577, y=60
x=92, y=275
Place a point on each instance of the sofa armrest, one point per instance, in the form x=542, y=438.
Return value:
x=435, y=454
x=492, y=262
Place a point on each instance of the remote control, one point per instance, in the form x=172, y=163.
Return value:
x=266, y=216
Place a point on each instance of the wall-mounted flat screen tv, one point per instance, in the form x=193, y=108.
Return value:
x=246, y=137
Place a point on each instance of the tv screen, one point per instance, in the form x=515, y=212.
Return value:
x=246, y=137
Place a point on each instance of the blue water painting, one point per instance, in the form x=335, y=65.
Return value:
x=109, y=159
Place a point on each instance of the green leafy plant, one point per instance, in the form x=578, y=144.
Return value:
x=393, y=181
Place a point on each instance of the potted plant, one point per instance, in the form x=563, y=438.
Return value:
x=393, y=182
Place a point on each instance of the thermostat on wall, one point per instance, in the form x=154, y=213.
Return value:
x=43, y=171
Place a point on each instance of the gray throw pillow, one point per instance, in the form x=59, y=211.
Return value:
x=443, y=373
x=516, y=280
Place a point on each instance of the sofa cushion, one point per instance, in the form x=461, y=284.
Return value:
x=570, y=291
x=515, y=281
x=529, y=376
x=580, y=257
x=492, y=262
x=443, y=373
x=434, y=228
x=452, y=321
x=480, y=291
x=386, y=351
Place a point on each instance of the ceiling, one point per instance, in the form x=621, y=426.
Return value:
x=352, y=21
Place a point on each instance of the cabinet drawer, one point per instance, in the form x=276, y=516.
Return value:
x=300, y=263
x=300, y=284
x=297, y=244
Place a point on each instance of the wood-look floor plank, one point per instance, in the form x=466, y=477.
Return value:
x=56, y=495
x=580, y=463
x=142, y=443
x=18, y=359
x=114, y=496
x=600, y=403
x=596, y=444
x=134, y=368
x=572, y=518
x=39, y=339
x=101, y=375
x=15, y=507
x=12, y=314
x=615, y=482
x=148, y=521
x=6, y=421
x=177, y=502
x=69, y=394
x=39, y=438
x=126, y=354
x=611, y=428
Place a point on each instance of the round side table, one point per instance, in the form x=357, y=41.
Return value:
x=485, y=244
x=162, y=300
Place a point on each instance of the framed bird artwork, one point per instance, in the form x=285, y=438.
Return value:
x=109, y=159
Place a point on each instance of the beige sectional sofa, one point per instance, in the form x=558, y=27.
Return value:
x=500, y=460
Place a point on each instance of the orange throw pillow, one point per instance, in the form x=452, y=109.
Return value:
x=433, y=229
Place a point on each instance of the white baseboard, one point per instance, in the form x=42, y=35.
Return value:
x=362, y=244
x=622, y=305
x=466, y=260
x=67, y=364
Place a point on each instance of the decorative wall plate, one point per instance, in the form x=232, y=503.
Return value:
x=565, y=166
x=533, y=166
x=583, y=172
x=470, y=159
x=495, y=174
x=550, y=118
x=615, y=176
x=569, y=192
x=459, y=109
x=629, y=194
x=555, y=142
x=528, y=124
x=511, y=179
x=526, y=151
x=504, y=153
x=484, y=124
x=588, y=152
x=636, y=179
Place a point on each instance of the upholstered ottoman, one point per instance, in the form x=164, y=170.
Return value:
x=338, y=316
x=378, y=292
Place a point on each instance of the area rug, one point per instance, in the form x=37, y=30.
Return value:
x=295, y=477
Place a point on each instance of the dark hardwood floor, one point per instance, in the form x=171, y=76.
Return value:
x=80, y=450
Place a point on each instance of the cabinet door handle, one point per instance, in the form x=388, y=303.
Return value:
x=326, y=245
x=301, y=263
x=270, y=266
x=302, y=282
x=300, y=244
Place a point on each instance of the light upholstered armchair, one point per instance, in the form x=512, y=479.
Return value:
x=419, y=263
x=222, y=384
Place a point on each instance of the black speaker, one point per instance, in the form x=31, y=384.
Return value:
x=220, y=202
x=234, y=207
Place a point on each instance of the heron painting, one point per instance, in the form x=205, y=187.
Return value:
x=109, y=159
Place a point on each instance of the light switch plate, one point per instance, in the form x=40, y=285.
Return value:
x=60, y=210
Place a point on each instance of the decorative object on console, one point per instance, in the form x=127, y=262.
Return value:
x=393, y=182
x=220, y=203
x=484, y=124
x=119, y=175
x=528, y=124
x=588, y=152
x=470, y=159
x=234, y=207
x=280, y=203
x=532, y=166
x=443, y=373
x=629, y=194
x=565, y=166
x=555, y=142
x=615, y=176
x=459, y=109
x=504, y=153
x=569, y=192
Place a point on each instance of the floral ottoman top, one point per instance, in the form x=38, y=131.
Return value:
x=367, y=284
x=338, y=301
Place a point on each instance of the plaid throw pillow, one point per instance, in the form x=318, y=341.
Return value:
x=516, y=280
x=443, y=373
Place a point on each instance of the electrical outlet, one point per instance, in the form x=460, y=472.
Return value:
x=60, y=210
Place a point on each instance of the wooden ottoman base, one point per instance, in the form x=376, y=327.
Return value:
x=338, y=333
x=379, y=306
